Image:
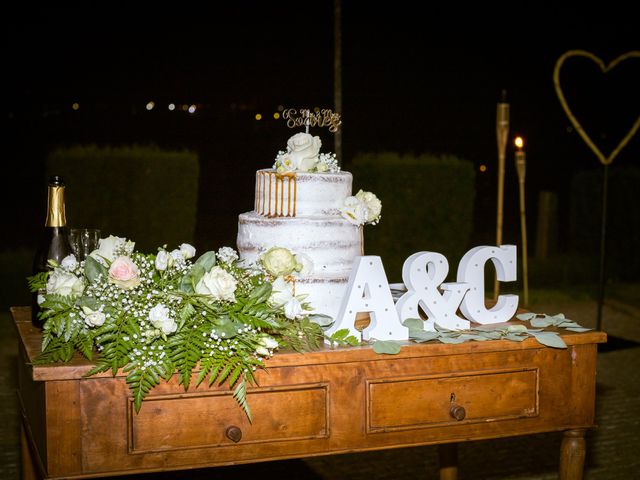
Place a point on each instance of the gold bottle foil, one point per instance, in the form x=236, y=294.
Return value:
x=56, y=216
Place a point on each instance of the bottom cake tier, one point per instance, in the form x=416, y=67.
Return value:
x=331, y=242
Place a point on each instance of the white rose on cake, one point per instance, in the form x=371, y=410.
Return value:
x=362, y=208
x=302, y=155
x=373, y=204
x=354, y=210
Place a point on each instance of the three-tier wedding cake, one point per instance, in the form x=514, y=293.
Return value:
x=304, y=204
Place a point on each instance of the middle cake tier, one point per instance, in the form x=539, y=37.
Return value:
x=331, y=242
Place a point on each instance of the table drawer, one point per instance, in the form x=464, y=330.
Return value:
x=428, y=401
x=186, y=421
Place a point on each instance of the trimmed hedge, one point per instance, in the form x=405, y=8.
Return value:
x=146, y=194
x=427, y=205
x=623, y=220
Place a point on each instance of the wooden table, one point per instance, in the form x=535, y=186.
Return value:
x=325, y=402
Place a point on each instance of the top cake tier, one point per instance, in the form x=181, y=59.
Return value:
x=300, y=194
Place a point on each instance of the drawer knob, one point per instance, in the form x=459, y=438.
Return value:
x=233, y=433
x=457, y=412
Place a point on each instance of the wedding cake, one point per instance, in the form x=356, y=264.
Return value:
x=305, y=204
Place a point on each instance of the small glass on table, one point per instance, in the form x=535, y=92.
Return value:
x=84, y=241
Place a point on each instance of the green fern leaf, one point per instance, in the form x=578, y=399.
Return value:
x=240, y=394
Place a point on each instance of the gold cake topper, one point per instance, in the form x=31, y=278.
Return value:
x=307, y=118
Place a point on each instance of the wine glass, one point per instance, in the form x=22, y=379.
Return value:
x=84, y=241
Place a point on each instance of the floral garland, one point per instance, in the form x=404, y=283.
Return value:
x=154, y=315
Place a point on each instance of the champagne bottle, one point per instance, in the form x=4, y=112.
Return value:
x=54, y=242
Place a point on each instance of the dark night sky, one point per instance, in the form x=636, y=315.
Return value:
x=413, y=82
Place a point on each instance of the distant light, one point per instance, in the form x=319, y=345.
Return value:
x=172, y=106
x=75, y=106
x=519, y=142
x=150, y=105
x=276, y=115
x=483, y=168
x=258, y=116
x=192, y=108
x=280, y=108
x=316, y=109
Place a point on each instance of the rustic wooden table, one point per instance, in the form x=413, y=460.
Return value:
x=325, y=402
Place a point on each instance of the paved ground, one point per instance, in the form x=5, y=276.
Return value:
x=612, y=448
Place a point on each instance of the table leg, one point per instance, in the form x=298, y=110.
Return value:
x=448, y=461
x=26, y=458
x=572, y=453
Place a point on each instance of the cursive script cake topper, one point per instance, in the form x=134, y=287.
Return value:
x=305, y=117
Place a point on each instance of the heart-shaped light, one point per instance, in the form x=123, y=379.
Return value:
x=556, y=81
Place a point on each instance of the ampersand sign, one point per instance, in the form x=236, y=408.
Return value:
x=423, y=273
x=605, y=160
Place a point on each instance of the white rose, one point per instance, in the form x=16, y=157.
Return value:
x=176, y=254
x=303, y=151
x=306, y=262
x=69, y=262
x=264, y=351
x=163, y=260
x=268, y=341
x=107, y=248
x=93, y=318
x=64, y=283
x=293, y=309
x=281, y=292
x=279, y=261
x=355, y=211
x=219, y=284
x=160, y=317
x=373, y=204
x=188, y=251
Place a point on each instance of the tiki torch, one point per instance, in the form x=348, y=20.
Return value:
x=502, y=132
x=521, y=169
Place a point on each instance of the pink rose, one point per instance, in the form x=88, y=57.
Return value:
x=124, y=273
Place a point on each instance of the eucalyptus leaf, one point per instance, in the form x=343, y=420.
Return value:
x=473, y=336
x=226, y=328
x=568, y=324
x=207, y=260
x=321, y=319
x=422, y=335
x=490, y=334
x=515, y=337
x=550, y=339
x=579, y=329
x=195, y=274
x=525, y=316
x=516, y=329
x=94, y=269
x=414, y=323
x=387, y=347
x=451, y=339
x=542, y=322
